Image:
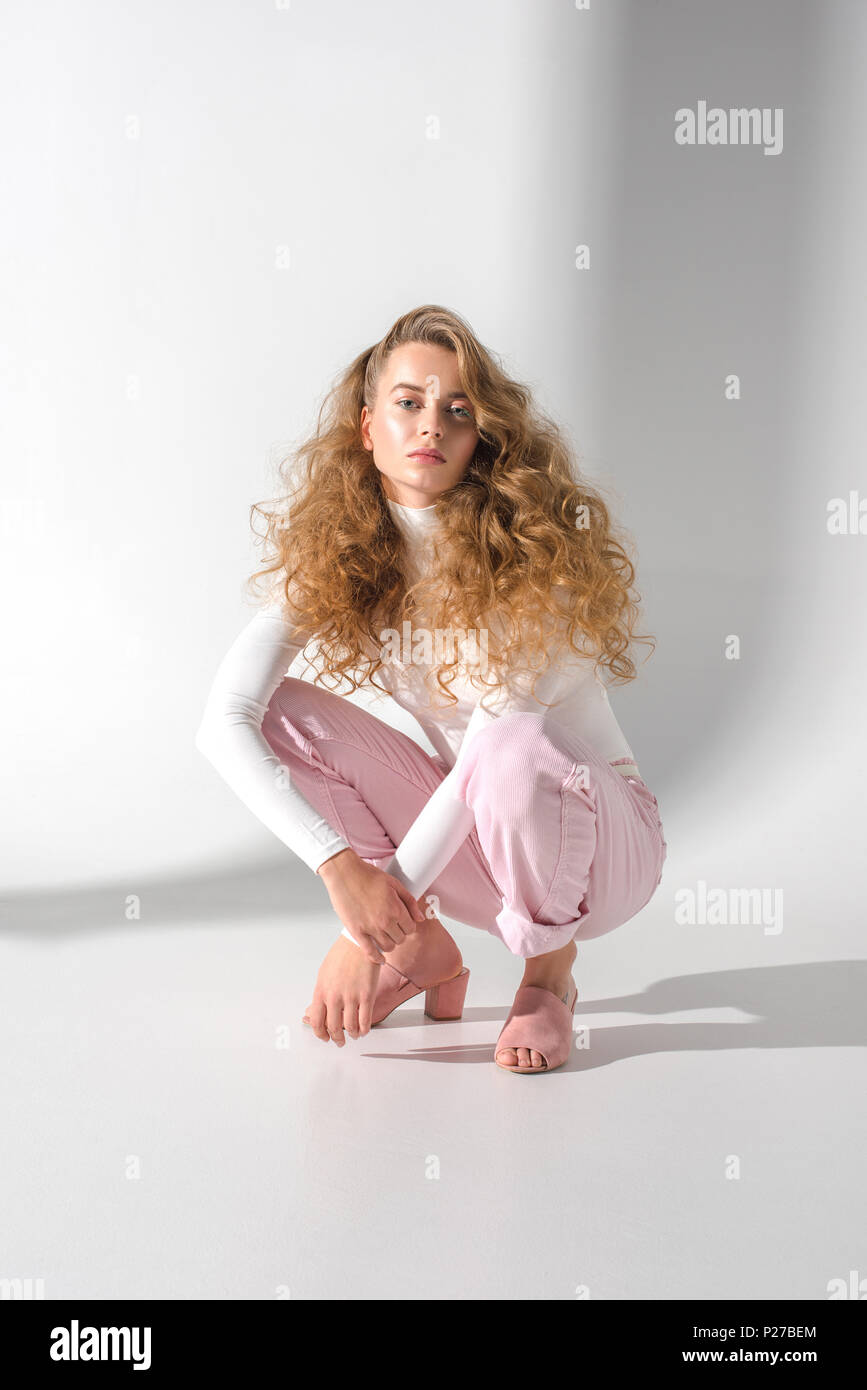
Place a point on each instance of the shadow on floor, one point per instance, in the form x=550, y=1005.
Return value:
x=207, y=898
x=817, y=1004
x=814, y=1004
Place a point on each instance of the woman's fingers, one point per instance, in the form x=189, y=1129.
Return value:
x=368, y=946
x=403, y=919
x=415, y=912
x=404, y=910
x=393, y=932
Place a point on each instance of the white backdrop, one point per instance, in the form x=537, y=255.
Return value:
x=217, y=206
x=214, y=209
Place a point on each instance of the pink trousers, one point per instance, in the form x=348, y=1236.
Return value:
x=563, y=845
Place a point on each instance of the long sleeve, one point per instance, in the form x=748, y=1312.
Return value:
x=445, y=820
x=440, y=828
x=230, y=737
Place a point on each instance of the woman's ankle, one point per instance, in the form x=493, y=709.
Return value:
x=553, y=966
x=430, y=952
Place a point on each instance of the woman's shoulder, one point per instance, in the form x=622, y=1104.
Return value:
x=277, y=597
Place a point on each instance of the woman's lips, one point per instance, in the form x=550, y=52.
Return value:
x=426, y=458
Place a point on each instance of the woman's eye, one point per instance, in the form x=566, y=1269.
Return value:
x=405, y=400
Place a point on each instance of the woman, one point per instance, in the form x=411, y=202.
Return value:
x=440, y=548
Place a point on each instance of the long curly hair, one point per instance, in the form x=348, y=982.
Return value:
x=526, y=551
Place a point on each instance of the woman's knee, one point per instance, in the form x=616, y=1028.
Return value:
x=507, y=757
x=289, y=692
x=522, y=737
x=285, y=708
x=516, y=729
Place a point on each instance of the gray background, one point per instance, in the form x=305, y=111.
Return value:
x=156, y=362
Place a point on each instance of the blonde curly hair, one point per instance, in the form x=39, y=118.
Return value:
x=523, y=540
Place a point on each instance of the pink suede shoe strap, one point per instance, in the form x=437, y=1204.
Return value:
x=540, y=1021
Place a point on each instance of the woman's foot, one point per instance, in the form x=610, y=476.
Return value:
x=553, y=972
x=344, y=994
x=347, y=982
x=430, y=956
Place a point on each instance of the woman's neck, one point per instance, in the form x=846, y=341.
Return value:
x=414, y=522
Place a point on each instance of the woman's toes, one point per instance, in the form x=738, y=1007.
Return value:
x=521, y=1057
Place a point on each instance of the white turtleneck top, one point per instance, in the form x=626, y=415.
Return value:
x=230, y=733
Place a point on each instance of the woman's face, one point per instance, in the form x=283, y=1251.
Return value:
x=420, y=405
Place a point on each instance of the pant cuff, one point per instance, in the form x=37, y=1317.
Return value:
x=526, y=938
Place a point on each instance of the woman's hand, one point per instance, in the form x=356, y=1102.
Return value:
x=373, y=905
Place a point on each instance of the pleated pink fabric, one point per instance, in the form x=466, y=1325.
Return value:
x=563, y=844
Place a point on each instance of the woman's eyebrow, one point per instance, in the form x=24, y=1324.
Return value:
x=408, y=386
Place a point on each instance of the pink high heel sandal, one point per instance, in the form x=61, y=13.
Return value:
x=541, y=1022
x=441, y=1001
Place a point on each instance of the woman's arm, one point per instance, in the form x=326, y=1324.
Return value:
x=230, y=737
x=445, y=820
x=441, y=826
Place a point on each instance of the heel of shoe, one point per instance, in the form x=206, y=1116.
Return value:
x=446, y=1000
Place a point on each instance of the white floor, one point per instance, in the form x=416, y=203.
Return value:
x=162, y=1141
